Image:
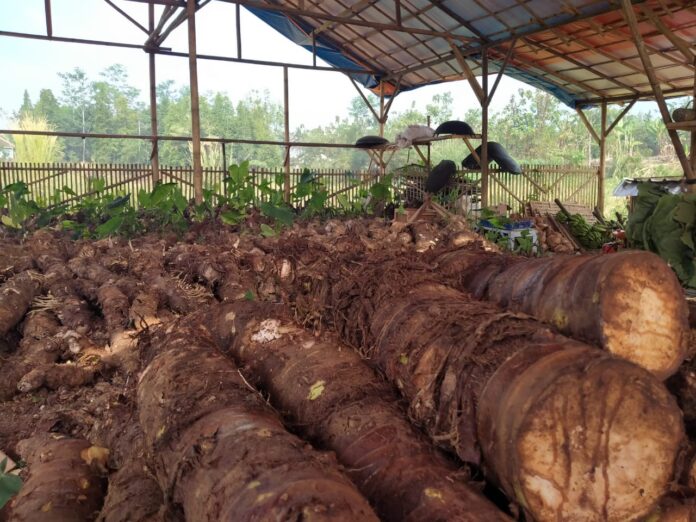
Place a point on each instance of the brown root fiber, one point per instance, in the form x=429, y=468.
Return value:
x=565, y=429
x=336, y=400
x=221, y=452
x=629, y=303
x=62, y=486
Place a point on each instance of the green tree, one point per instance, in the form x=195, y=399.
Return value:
x=27, y=107
x=76, y=96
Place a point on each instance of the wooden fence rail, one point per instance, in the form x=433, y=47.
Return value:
x=537, y=183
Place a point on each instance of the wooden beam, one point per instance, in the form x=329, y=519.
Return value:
x=49, y=18
x=679, y=43
x=367, y=102
x=154, y=156
x=128, y=17
x=621, y=115
x=397, y=8
x=468, y=73
x=175, y=3
x=167, y=13
x=310, y=144
x=195, y=110
x=284, y=7
x=286, y=118
x=508, y=55
x=630, y=17
x=602, y=156
x=588, y=125
x=177, y=22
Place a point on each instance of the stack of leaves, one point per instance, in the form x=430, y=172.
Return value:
x=591, y=237
x=664, y=223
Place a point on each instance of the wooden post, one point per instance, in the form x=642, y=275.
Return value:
x=382, y=118
x=632, y=22
x=602, y=156
x=484, y=130
x=49, y=20
x=692, y=151
x=195, y=112
x=224, y=156
x=381, y=109
x=238, y=24
x=286, y=107
x=154, y=155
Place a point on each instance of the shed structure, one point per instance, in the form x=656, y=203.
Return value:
x=585, y=52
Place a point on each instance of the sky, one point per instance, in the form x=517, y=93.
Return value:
x=316, y=98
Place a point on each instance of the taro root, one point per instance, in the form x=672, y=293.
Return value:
x=337, y=401
x=133, y=495
x=16, y=296
x=64, y=483
x=567, y=430
x=221, y=453
x=629, y=303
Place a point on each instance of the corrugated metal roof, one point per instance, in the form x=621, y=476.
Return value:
x=581, y=51
x=629, y=186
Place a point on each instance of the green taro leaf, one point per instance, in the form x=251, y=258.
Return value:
x=110, y=227
x=231, y=217
x=9, y=487
x=281, y=214
x=121, y=201
x=18, y=189
x=97, y=184
x=306, y=177
x=8, y=222
x=161, y=192
x=267, y=231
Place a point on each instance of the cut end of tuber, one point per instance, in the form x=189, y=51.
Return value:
x=576, y=431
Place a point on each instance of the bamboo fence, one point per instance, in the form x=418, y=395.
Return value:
x=537, y=183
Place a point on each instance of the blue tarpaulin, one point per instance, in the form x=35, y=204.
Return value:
x=577, y=50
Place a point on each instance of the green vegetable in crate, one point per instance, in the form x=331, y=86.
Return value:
x=590, y=236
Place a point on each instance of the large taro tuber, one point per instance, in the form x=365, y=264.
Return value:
x=629, y=303
x=336, y=400
x=64, y=483
x=133, y=495
x=568, y=431
x=16, y=296
x=221, y=453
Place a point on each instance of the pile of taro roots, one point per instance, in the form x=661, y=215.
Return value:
x=344, y=370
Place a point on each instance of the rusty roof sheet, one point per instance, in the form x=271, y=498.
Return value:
x=581, y=51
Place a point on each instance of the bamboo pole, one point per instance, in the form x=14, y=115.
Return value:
x=692, y=151
x=238, y=25
x=195, y=111
x=484, y=130
x=286, y=114
x=49, y=21
x=381, y=118
x=154, y=155
x=602, y=157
